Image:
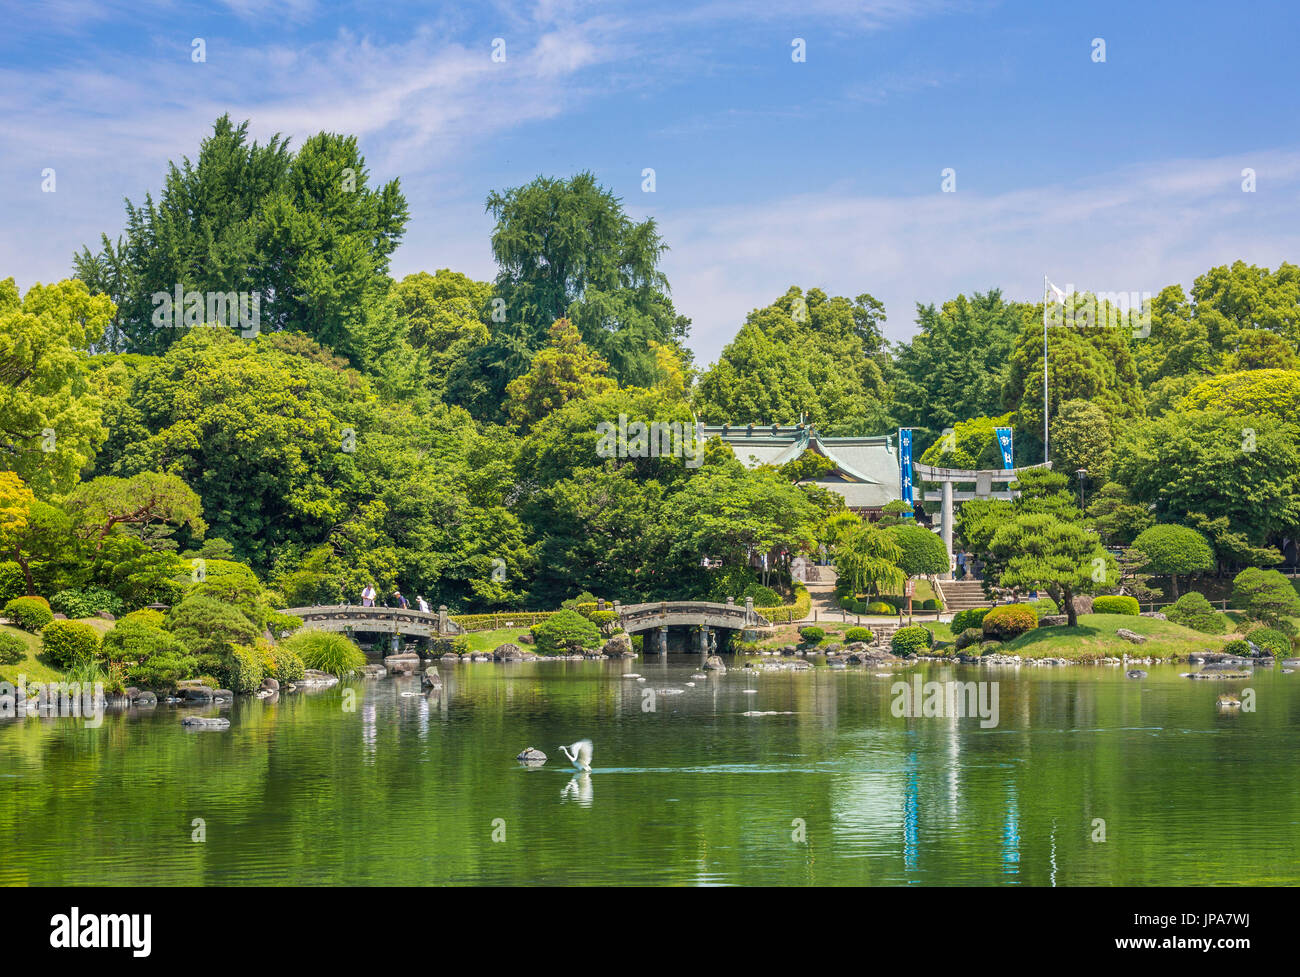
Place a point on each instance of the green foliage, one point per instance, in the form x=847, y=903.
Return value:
x=205, y=626
x=1008, y=621
x=910, y=641
x=867, y=560
x=12, y=583
x=970, y=444
x=29, y=613
x=971, y=618
x=811, y=634
x=162, y=672
x=325, y=651
x=1237, y=647
x=1174, y=550
x=1193, y=611
x=70, y=643
x=243, y=669
x=1109, y=604
x=135, y=639
x=1116, y=517
x=1045, y=606
x=563, y=370
x=1270, y=641
x=1273, y=392
x=565, y=632
x=1040, y=551
x=859, y=634
x=12, y=649
x=1265, y=595
x=601, y=618
x=921, y=552
x=282, y=664
x=87, y=602
x=880, y=607
x=967, y=637
x=812, y=354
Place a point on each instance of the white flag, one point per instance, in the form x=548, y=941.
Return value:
x=1060, y=295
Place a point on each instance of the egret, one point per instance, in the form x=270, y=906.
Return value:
x=579, y=754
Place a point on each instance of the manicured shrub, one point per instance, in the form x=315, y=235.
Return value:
x=1115, y=604
x=1237, y=647
x=812, y=634
x=911, y=640
x=133, y=640
x=601, y=618
x=162, y=672
x=146, y=615
x=575, y=603
x=968, y=637
x=206, y=626
x=87, y=602
x=29, y=613
x=931, y=604
x=1008, y=621
x=1270, y=641
x=1045, y=607
x=1174, y=550
x=243, y=669
x=1266, y=595
x=280, y=663
x=565, y=633
x=587, y=608
x=12, y=649
x=327, y=651
x=880, y=607
x=1193, y=611
x=12, y=582
x=972, y=618
x=858, y=634
x=70, y=643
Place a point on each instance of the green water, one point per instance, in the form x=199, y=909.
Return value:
x=405, y=789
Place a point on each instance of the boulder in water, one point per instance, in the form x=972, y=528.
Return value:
x=531, y=756
x=714, y=664
x=201, y=722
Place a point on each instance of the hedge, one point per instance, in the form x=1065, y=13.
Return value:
x=70, y=643
x=1008, y=621
x=491, y=622
x=29, y=613
x=787, y=613
x=1115, y=604
x=971, y=618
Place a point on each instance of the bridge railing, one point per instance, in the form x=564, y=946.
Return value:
x=387, y=618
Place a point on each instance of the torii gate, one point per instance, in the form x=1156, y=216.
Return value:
x=984, y=480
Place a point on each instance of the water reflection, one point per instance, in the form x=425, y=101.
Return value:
x=578, y=789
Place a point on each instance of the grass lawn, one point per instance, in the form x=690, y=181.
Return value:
x=1095, y=637
x=33, y=667
x=481, y=641
x=788, y=634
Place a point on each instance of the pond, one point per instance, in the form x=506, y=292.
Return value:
x=1087, y=778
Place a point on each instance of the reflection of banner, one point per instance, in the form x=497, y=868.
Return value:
x=1004, y=445
x=905, y=463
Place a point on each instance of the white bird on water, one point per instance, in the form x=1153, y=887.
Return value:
x=579, y=754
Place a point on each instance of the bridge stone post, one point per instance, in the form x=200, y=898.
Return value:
x=663, y=640
x=442, y=618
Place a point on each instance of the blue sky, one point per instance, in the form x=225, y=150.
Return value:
x=1115, y=176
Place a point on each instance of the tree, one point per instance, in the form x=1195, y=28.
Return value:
x=567, y=249
x=922, y=552
x=44, y=546
x=868, y=559
x=1081, y=438
x=1245, y=469
x=303, y=231
x=15, y=503
x=972, y=444
x=810, y=355
x=446, y=319
x=1174, y=550
x=1268, y=596
x=1040, y=551
x=150, y=497
x=1273, y=392
x=49, y=418
x=564, y=370
x=955, y=366
x=1116, y=517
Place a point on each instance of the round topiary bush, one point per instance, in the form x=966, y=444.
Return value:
x=1193, y=611
x=601, y=618
x=762, y=596
x=1270, y=641
x=812, y=634
x=29, y=613
x=971, y=618
x=1237, y=647
x=1115, y=604
x=931, y=604
x=858, y=634
x=146, y=615
x=911, y=641
x=971, y=636
x=133, y=639
x=880, y=607
x=1008, y=621
x=70, y=644
x=12, y=649
x=564, y=633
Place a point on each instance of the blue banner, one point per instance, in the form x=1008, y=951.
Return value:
x=905, y=463
x=1004, y=445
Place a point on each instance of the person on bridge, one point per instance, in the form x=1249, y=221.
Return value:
x=401, y=601
x=368, y=596
x=422, y=604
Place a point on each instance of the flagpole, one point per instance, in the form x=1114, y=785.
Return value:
x=1044, y=368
